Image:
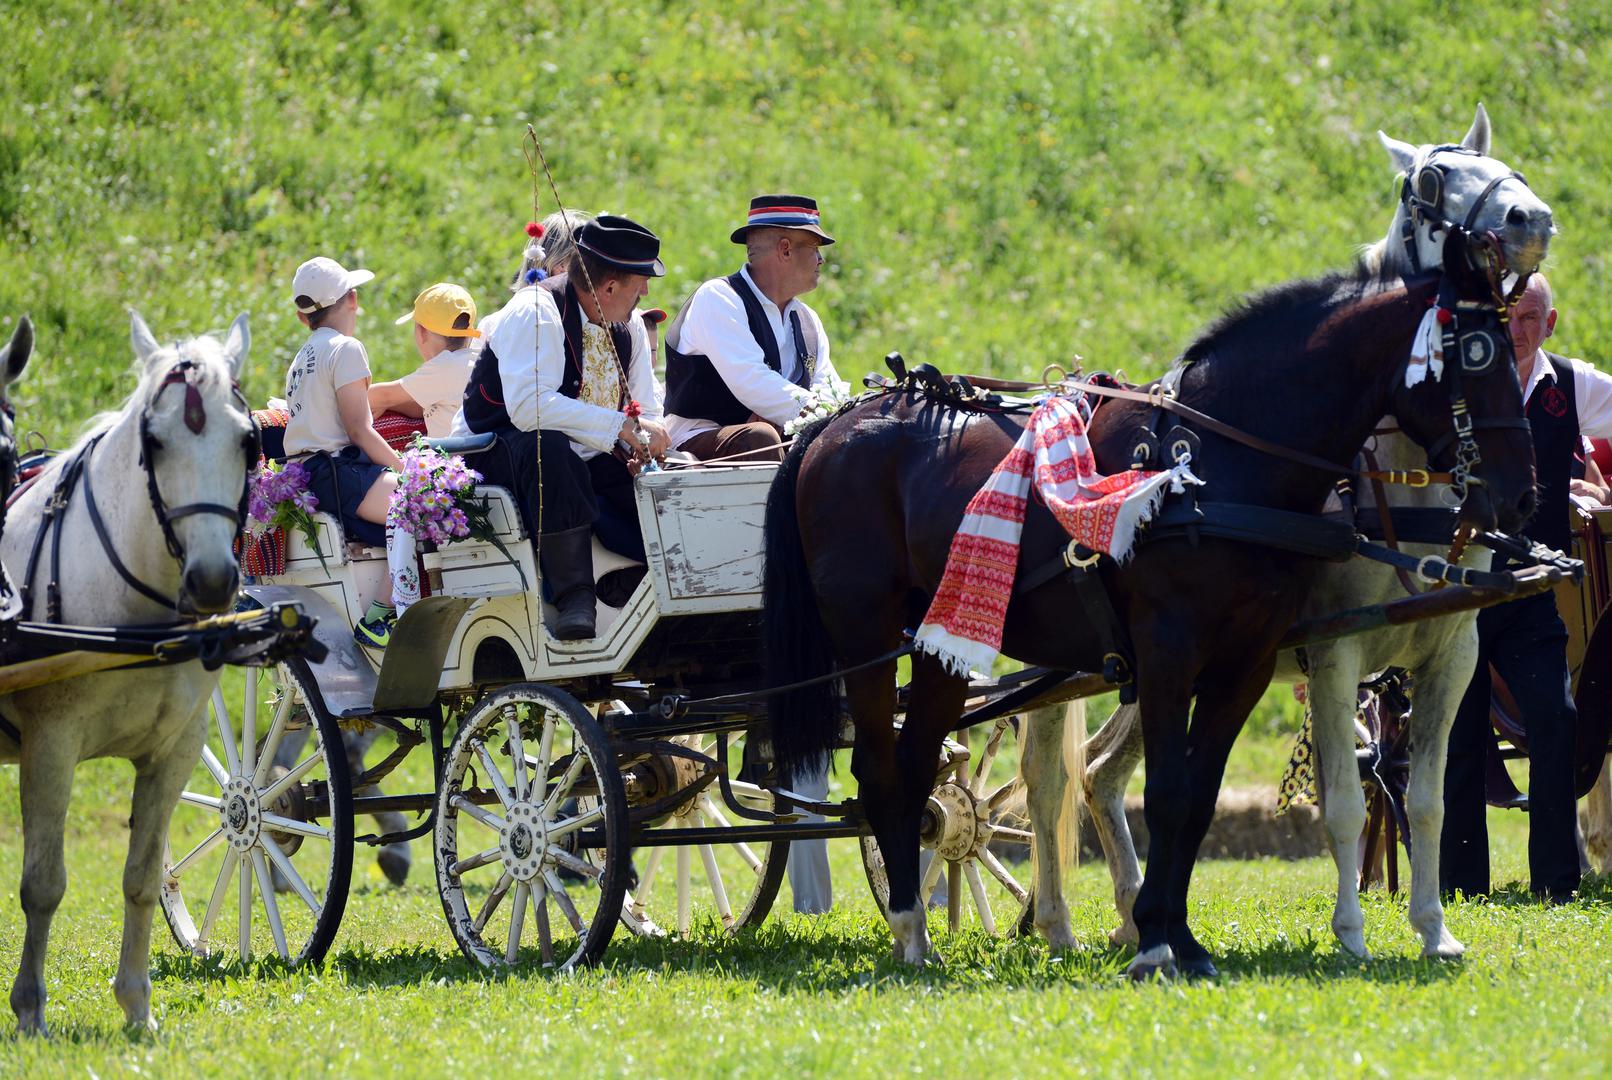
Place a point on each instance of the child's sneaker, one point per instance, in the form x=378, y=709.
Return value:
x=375, y=628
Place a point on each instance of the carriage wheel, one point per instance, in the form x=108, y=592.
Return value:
x=972, y=830
x=529, y=776
x=735, y=883
x=266, y=826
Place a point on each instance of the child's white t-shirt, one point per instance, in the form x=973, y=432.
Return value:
x=326, y=362
x=438, y=387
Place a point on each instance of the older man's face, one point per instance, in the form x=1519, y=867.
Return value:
x=1532, y=320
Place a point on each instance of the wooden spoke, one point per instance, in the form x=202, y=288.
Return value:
x=494, y=776
x=226, y=733
x=574, y=864
x=249, y=725
x=545, y=935
x=982, y=768
x=276, y=823
x=479, y=859
x=210, y=842
x=931, y=878
x=490, y=905
x=710, y=809
x=206, y=802
x=1003, y=793
x=1001, y=874
x=271, y=906
x=1002, y=832
x=556, y=889
x=484, y=816
x=571, y=825
x=713, y=877
x=651, y=865
x=517, y=921
x=545, y=750
x=289, y=872
x=245, y=941
x=216, y=901
x=271, y=742
x=517, y=754
x=214, y=766
x=682, y=890
x=566, y=782
x=282, y=785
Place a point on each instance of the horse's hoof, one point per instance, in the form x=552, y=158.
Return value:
x=1446, y=948
x=1157, y=962
x=1123, y=936
x=1354, y=943
x=1198, y=967
x=394, y=861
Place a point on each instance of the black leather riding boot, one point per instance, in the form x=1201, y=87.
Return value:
x=567, y=559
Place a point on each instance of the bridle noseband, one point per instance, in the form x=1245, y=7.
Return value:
x=1421, y=196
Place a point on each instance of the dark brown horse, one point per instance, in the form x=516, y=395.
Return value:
x=862, y=515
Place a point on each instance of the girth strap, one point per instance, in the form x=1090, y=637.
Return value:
x=1304, y=534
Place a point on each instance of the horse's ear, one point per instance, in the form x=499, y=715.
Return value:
x=145, y=345
x=1477, y=136
x=14, y=357
x=236, y=345
x=1402, y=154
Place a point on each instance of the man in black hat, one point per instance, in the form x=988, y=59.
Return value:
x=566, y=375
x=744, y=351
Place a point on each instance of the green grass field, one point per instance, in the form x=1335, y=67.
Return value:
x=822, y=996
x=1012, y=182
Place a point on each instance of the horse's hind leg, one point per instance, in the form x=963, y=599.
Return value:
x=46, y=781
x=1598, y=820
x=1112, y=755
x=1440, y=686
x=157, y=785
x=1047, y=737
x=1333, y=692
x=932, y=710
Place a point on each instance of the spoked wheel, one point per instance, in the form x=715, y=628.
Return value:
x=264, y=832
x=735, y=882
x=970, y=817
x=531, y=796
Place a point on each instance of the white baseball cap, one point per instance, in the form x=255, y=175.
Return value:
x=324, y=281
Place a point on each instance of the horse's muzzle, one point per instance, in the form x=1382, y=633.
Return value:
x=209, y=590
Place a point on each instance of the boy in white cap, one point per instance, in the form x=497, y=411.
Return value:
x=444, y=318
x=332, y=433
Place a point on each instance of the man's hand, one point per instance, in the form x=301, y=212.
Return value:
x=1584, y=489
x=659, y=440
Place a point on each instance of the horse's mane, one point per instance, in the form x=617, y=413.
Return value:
x=211, y=372
x=1303, y=301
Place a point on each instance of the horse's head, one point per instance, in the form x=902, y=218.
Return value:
x=13, y=359
x=1459, y=184
x=197, y=441
x=1469, y=415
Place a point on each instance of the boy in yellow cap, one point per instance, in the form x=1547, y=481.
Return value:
x=444, y=318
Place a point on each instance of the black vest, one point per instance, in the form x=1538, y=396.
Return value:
x=1553, y=415
x=484, y=392
x=695, y=389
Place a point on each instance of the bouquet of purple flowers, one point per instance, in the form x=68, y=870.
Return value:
x=436, y=502
x=280, y=499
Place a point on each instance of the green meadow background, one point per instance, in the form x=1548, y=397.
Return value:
x=1011, y=182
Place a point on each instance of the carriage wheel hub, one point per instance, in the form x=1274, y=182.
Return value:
x=240, y=814
x=952, y=822
x=523, y=841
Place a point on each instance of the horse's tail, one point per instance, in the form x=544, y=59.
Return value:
x=805, y=721
x=1054, y=778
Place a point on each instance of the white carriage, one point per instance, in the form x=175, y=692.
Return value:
x=551, y=760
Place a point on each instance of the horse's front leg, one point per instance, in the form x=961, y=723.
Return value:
x=1334, y=682
x=158, y=782
x=1439, y=688
x=1112, y=755
x=1164, y=693
x=45, y=777
x=1223, y=705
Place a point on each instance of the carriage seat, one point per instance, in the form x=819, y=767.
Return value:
x=464, y=444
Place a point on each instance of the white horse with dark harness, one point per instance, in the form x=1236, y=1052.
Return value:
x=100, y=550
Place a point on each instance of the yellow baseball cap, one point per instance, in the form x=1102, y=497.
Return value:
x=444, y=309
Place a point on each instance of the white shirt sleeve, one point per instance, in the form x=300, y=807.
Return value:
x=716, y=328
x=642, y=385
x=532, y=391
x=349, y=363
x=1593, y=390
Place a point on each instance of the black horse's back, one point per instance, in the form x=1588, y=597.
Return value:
x=805, y=721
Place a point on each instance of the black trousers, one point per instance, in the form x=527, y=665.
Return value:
x=1527, y=644
x=597, y=492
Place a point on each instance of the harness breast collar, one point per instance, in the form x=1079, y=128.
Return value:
x=195, y=416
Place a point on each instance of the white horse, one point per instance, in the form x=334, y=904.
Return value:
x=1459, y=184
x=165, y=475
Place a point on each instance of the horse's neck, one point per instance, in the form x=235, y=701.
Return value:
x=1397, y=451
x=1388, y=255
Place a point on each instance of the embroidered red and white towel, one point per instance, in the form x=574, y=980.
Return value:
x=964, y=624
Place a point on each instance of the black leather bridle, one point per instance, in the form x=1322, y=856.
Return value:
x=181, y=374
